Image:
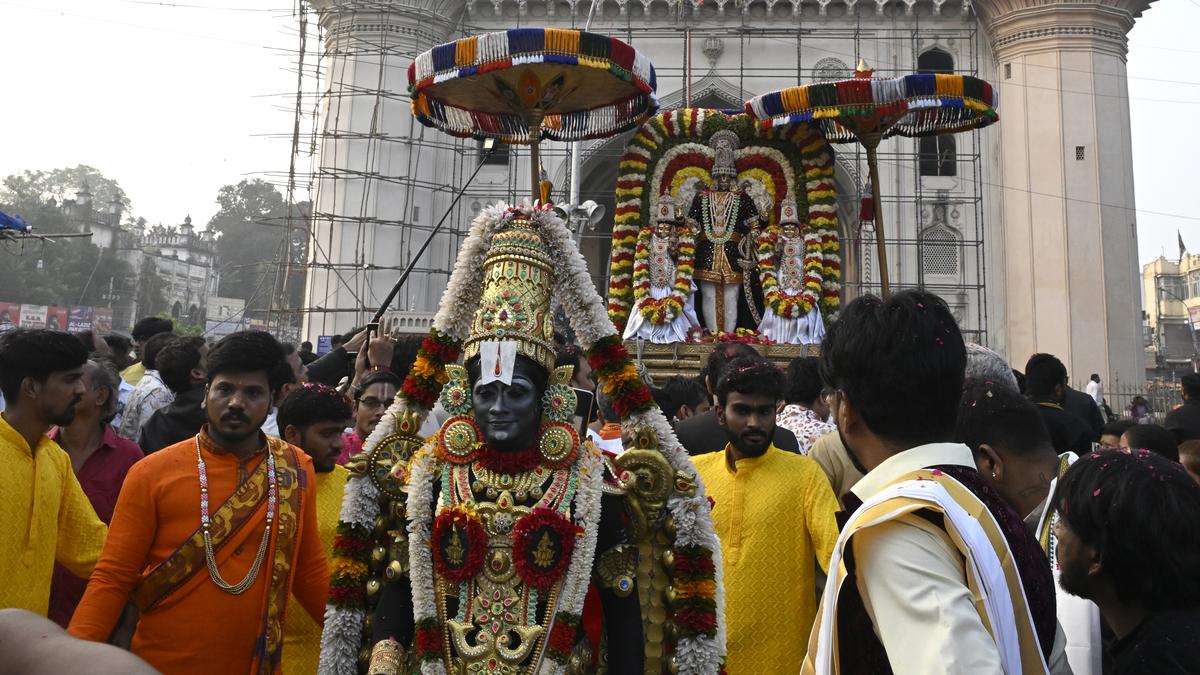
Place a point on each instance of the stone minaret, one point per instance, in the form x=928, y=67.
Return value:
x=1070, y=285
x=382, y=179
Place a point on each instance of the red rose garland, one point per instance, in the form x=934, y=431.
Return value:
x=543, y=542
x=466, y=539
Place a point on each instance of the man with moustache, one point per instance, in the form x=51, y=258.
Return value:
x=44, y=514
x=312, y=417
x=212, y=535
x=774, y=514
x=1128, y=539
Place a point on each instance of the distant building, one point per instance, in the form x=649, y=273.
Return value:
x=1171, y=296
x=81, y=214
x=184, y=260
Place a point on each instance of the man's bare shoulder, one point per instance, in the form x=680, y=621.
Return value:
x=34, y=645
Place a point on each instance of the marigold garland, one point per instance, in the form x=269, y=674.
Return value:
x=695, y=606
x=618, y=377
x=348, y=570
x=785, y=303
x=428, y=372
x=658, y=143
x=665, y=310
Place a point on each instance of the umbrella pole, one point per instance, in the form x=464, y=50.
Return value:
x=535, y=155
x=871, y=143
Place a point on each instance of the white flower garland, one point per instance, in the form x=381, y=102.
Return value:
x=693, y=520
x=579, y=574
x=342, y=634
x=422, y=471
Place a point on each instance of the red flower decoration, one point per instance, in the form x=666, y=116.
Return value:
x=428, y=640
x=562, y=637
x=508, y=462
x=459, y=544
x=543, y=542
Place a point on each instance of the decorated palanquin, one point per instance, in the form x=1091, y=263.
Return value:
x=785, y=240
x=455, y=555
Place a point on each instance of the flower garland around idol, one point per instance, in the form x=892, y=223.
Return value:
x=700, y=647
x=346, y=609
x=788, y=304
x=665, y=310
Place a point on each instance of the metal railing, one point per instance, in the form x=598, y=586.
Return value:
x=1163, y=396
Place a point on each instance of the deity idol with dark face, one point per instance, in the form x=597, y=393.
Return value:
x=505, y=545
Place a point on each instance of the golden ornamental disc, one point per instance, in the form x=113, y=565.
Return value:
x=382, y=459
x=557, y=442
x=459, y=437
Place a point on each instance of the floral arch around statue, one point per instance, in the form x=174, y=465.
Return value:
x=670, y=156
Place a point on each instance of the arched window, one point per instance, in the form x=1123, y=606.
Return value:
x=935, y=61
x=936, y=155
x=940, y=251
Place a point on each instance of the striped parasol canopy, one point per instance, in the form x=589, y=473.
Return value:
x=527, y=84
x=912, y=105
x=867, y=110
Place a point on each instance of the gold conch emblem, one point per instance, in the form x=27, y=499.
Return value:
x=543, y=555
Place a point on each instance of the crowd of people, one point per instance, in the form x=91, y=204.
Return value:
x=905, y=502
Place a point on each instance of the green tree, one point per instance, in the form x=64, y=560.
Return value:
x=253, y=245
x=64, y=271
x=31, y=189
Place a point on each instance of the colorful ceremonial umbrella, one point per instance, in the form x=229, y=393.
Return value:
x=868, y=110
x=522, y=85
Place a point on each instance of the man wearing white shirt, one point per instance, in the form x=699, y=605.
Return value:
x=934, y=572
x=1095, y=389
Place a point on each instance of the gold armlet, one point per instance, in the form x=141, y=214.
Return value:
x=386, y=658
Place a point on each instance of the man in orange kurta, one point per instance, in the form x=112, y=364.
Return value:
x=195, y=615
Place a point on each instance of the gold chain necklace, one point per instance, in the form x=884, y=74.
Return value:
x=272, y=494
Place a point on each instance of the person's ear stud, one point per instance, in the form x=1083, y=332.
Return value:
x=993, y=475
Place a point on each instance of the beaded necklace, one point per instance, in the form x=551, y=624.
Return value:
x=719, y=216
x=272, y=493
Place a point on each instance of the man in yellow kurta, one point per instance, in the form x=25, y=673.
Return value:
x=44, y=514
x=312, y=417
x=774, y=514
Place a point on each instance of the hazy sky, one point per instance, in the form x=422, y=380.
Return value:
x=176, y=99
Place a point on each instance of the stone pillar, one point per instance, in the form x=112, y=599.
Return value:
x=1070, y=285
x=375, y=198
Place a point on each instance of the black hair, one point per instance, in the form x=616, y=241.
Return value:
x=993, y=414
x=1095, y=377
x=176, y=360
x=35, y=353
x=306, y=345
x=152, y=347
x=148, y=327
x=86, y=338
x=376, y=377
x=119, y=344
x=1044, y=372
x=246, y=352
x=1159, y=440
x=311, y=404
x=750, y=375
x=568, y=355
x=681, y=391
x=720, y=357
x=1191, y=385
x=1020, y=380
x=803, y=381
x=1117, y=428
x=1141, y=512
x=286, y=374
x=900, y=362
x=404, y=354
x=537, y=374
